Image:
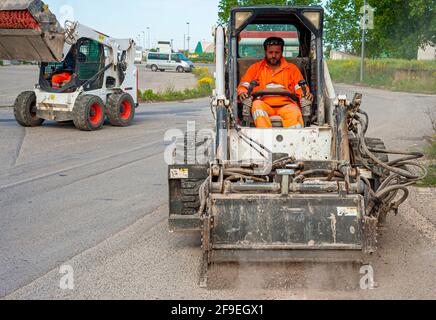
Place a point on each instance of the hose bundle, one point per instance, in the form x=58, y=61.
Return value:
x=395, y=176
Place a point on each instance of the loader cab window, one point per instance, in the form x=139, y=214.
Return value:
x=57, y=75
x=252, y=38
x=90, y=60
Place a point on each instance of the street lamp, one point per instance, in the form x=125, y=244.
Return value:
x=143, y=41
x=189, y=38
x=148, y=29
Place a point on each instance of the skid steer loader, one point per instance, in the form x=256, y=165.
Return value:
x=312, y=194
x=84, y=75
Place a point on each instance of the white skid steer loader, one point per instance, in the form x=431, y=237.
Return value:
x=84, y=75
x=312, y=194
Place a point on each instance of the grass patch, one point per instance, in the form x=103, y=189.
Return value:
x=430, y=180
x=204, y=88
x=430, y=153
x=393, y=74
x=203, y=58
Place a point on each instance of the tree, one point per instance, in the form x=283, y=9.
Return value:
x=400, y=27
x=226, y=5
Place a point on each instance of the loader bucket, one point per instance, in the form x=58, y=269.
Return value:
x=276, y=225
x=299, y=228
x=29, y=32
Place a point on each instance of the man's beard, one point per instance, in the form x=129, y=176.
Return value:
x=273, y=62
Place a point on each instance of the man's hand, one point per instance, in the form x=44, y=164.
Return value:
x=309, y=96
x=243, y=96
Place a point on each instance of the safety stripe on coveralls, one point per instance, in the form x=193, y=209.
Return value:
x=274, y=86
x=298, y=126
x=259, y=113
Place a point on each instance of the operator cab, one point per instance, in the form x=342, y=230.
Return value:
x=252, y=26
x=82, y=63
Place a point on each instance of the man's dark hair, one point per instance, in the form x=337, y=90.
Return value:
x=274, y=41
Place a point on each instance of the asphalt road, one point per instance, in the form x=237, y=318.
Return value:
x=16, y=79
x=98, y=203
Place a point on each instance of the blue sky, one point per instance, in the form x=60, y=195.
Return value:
x=129, y=18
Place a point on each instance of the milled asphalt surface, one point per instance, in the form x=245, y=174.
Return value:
x=16, y=79
x=98, y=202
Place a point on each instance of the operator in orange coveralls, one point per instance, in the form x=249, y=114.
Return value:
x=275, y=73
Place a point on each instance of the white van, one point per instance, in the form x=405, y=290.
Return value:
x=157, y=61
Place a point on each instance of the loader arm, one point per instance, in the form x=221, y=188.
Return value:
x=30, y=32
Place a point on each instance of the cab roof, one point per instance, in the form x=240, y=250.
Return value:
x=303, y=17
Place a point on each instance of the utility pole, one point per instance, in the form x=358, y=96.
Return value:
x=362, y=62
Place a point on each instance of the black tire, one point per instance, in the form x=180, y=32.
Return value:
x=154, y=68
x=162, y=70
x=180, y=69
x=372, y=143
x=120, y=109
x=25, y=110
x=182, y=156
x=189, y=188
x=88, y=113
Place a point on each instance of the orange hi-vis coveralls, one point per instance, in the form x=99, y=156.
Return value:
x=58, y=80
x=286, y=77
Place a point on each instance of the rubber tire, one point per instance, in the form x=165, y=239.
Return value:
x=372, y=143
x=189, y=189
x=154, y=68
x=180, y=69
x=114, y=107
x=182, y=145
x=22, y=110
x=81, y=112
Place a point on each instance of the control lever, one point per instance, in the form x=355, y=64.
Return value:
x=248, y=103
x=306, y=107
x=253, y=84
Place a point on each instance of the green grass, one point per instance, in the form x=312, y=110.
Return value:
x=204, y=88
x=170, y=94
x=430, y=180
x=204, y=58
x=393, y=74
x=430, y=153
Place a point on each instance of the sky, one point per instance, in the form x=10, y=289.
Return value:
x=129, y=18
